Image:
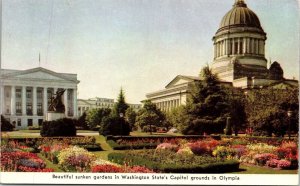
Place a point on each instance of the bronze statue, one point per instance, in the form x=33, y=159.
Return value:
x=56, y=104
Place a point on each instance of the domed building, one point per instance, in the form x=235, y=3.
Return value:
x=239, y=50
x=239, y=60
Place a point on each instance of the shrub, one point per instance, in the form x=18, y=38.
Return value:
x=75, y=159
x=6, y=125
x=284, y=164
x=114, y=125
x=167, y=146
x=261, y=159
x=186, y=151
x=107, y=168
x=203, y=147
x=272, y=163
x=224, y=152
x=170, y=162
x=60, y=127
x=139, y=169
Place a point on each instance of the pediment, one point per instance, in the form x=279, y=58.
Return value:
x=38, y=74
x=180, y=80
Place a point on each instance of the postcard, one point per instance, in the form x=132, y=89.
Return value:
x=194, y=92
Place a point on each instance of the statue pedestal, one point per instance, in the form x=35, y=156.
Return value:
x=54, y=116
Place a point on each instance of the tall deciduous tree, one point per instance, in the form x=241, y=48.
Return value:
x=149, y=116
x=121, y=106
x=94, y=116
x=130, y=116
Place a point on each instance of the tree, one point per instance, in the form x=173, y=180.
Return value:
x=114, y=125
x=207, y=107
x=81, y=122
x=94, y=116
x=266, y=110
x=121, y=106
x=6, y=125
x=149, y=117
x=130, y=116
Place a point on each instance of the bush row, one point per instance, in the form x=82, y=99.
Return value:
x=117, y=146
x=218, y=167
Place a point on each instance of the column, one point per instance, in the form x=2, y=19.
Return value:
x=239, y=46
x=263, y=47
x=34, y=101
x=244, y=45
x=1, y=99
x=66, y=102
x=45, y=101
x=233, y=46
x=75, y=102
x=13, y=101
x=215, y=50
x=248, y=46
x=24, y=101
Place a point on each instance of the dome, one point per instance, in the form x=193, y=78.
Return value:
x=240, y=16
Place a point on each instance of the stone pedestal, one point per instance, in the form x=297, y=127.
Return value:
x=54, y=116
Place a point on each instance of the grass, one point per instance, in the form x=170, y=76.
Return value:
x=49, y=164
x=252, y=169
x=137, y=133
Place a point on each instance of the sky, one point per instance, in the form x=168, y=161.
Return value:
x=139, y=45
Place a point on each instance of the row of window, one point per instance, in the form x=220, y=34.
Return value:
x=29, y=122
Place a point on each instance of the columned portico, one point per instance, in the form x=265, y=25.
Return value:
x=25, y=95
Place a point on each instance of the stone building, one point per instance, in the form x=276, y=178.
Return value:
x=25, y=95
x=86, y=104
x=239, y=60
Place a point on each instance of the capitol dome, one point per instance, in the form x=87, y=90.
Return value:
x=240, y=16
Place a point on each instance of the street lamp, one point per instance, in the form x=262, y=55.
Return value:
x=122, y=122
x=289, y=114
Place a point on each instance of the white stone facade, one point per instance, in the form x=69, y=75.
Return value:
x=85, y=105
x=25, y=95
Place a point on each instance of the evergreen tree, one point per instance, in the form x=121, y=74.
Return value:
x=121, y=106
x=207, y=106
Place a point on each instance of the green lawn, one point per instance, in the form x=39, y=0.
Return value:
x=252, y=169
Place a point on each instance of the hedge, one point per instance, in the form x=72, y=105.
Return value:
x=114, y=145
x=218, y=167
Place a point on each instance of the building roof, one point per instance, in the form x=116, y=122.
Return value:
x=240, y=16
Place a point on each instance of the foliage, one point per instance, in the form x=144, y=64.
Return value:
x=167, y=161
x=261, y=159
x=75, y=159
x=114, y=125
x=130, y=116
x=203, y=147
x=81, y=122
x=121, y=106
x=150, y=116
x=267, y=110
x=14, y=160
x=60, y=127
x=224, y=152
x=94, y=116
x=6, y=125
x=107, y=168
x=167, y=146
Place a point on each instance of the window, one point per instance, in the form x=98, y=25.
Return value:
x=28, y=94
x=40, y=109
x=18, y=93
x=18, y=108
x=19, y=122
x=40, y=121
x=29, y=108
x=39, y=94
x=29, y=122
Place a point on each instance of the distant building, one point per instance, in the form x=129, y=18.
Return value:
x=175, y=93
x=25, y=95
x=86, y=104
x=239, y=60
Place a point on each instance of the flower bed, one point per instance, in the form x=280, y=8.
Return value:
x=171, y=162
x=15, y=160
